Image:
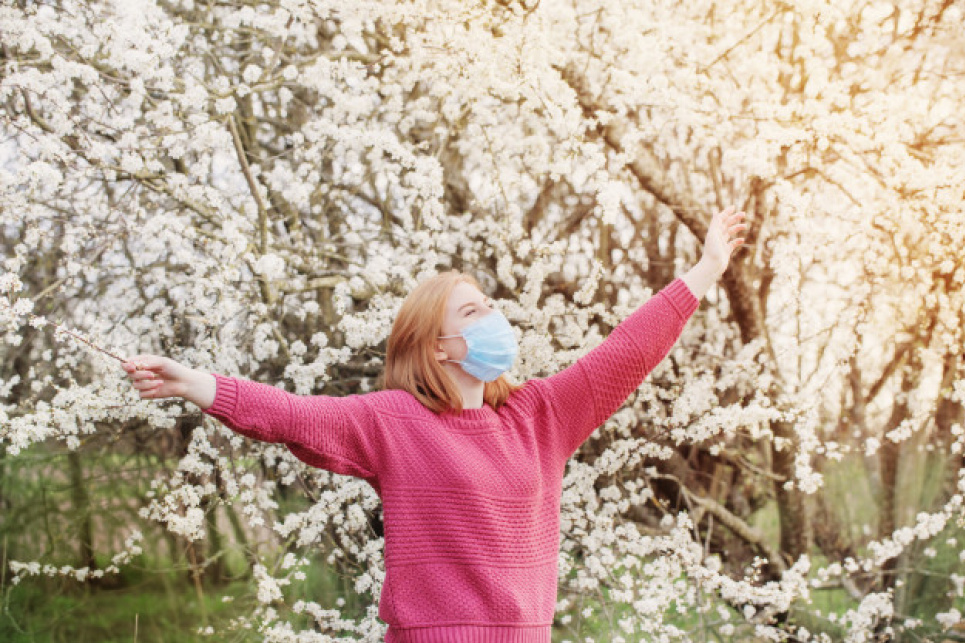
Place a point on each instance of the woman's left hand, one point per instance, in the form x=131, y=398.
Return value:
x=720, y=242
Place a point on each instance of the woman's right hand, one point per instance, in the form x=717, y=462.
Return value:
x=158, y=377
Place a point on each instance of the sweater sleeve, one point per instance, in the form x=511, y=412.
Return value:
x=583, y=395
x=338, y=434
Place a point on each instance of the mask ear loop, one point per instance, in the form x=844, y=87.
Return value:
x=447, y=337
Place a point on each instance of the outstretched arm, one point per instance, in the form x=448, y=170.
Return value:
x=585, y=394
x=334, y=433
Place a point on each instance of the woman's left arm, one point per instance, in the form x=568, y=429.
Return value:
x=586, y=393
x=718, y=247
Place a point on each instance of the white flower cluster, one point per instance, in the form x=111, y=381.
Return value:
x=874, y=609
x=584, y=295
x=269, y=588
x=950, y=618
x=131, y=549
x=270, y=266
x=927, y=526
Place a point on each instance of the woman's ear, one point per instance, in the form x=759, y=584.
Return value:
x=441, y=355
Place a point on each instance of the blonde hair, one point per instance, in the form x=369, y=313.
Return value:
x=410, y=361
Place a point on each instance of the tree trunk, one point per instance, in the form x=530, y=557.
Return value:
x=81, y=502
x=792, y=506
x=889, y=460
x=215, y=571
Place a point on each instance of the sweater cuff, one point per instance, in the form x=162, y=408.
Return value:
x=225, y=396
x=680, y=297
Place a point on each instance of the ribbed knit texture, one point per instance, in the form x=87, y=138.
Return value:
x=471, y=501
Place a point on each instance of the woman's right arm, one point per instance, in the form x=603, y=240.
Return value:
x=335, y=433
x=159, y=377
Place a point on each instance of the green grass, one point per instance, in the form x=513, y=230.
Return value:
x=144, y=608
x=157, y=606
x=153, y=598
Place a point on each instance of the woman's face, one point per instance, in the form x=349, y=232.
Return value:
x=466, y=305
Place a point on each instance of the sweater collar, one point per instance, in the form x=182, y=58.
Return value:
x=485, y=412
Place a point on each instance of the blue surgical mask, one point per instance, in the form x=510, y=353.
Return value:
x=492, y=347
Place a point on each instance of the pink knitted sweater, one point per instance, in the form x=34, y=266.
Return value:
x=471, y=501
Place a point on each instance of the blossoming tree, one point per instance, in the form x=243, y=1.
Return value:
x=253, y=187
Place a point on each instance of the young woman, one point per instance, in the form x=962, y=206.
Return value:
x=469, y=467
